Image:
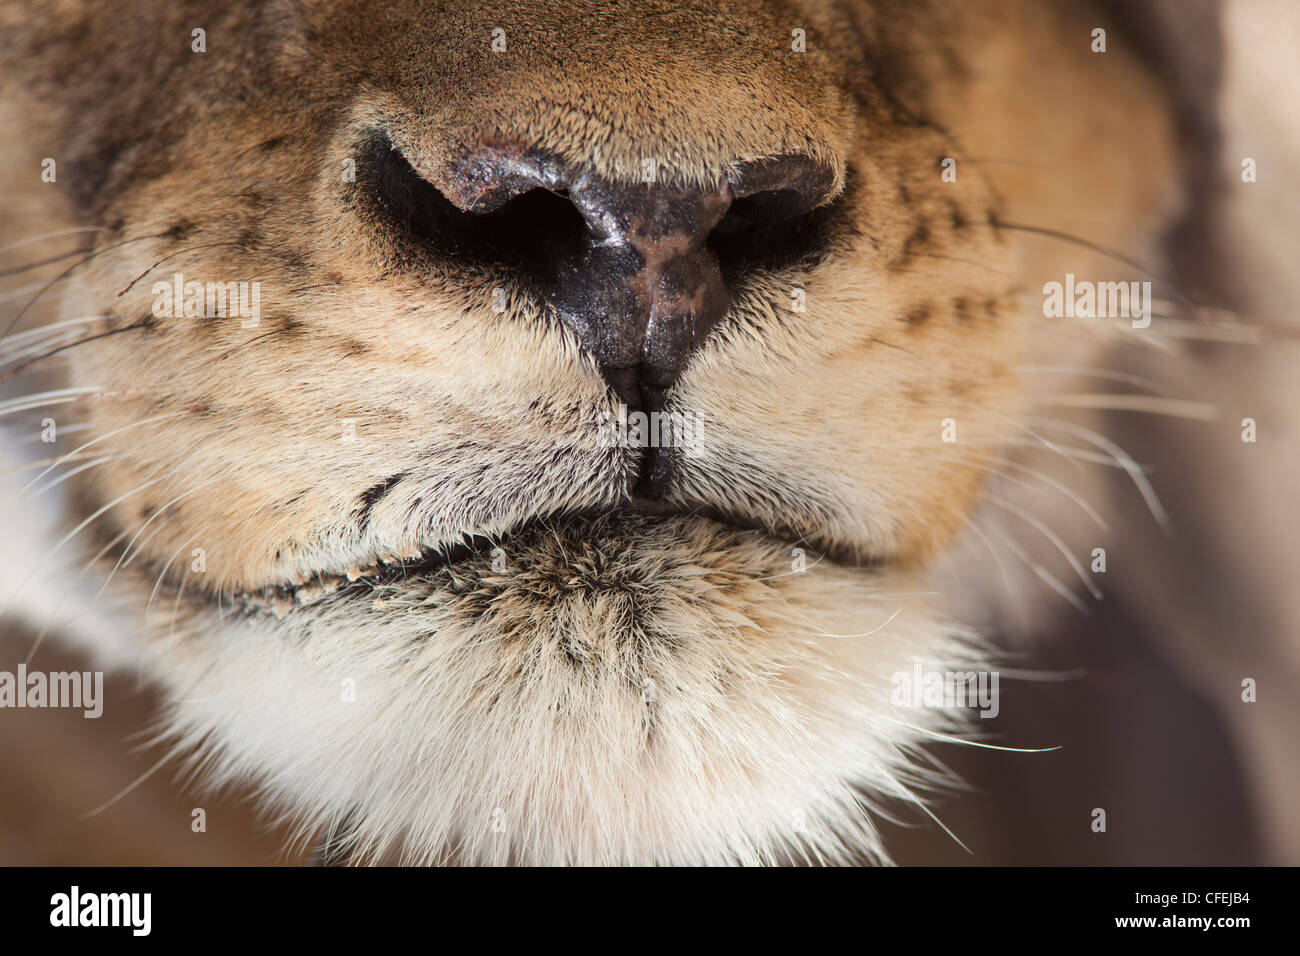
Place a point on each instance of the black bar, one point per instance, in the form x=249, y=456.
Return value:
x=329, y=905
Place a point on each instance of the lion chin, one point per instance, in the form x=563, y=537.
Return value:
x=619, y=689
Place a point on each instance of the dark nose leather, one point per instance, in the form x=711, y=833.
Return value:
x=647, y=290
x=644, y=289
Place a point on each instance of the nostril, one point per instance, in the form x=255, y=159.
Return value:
x=783, y=186
x=784, y=215
x=515, y=225
x=787, y=214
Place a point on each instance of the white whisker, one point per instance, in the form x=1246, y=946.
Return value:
x=100, y=438
x=53, y=328
x=1135, y=380
x=41, y=399
x=68, y=474
x=1126, y=461
x=1043, y=574
x=1156, y=405
x=31, y=240
x=1054, y=538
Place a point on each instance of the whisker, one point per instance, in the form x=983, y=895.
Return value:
x=1204, y=331
x=85, y=569
x=1051, y=536
x=1014, y=422
x=1081, y=454
x=176, y=604
x=163, y=573
x=1226, y=320
x=76, y=531
x=936, y=735
x=63, y=430
x=1134, y=380
x=37, y=463
x=139, y=780
x=42, y=399
x=1042, y=573
x=179, y=252
x=99, y=438
x=76, y=265
x=1064, y=489
x=139, y=324
x=909, y=797
x=68, y=474
x=974, y=528
x=964, y=262
x=255, y=339
x=32, y=240
x=875, y=630
x=49, y=261
x=19, y=292
x=1092, y=247
x=1126, y=461
x=102, y=510
x=1152, y=404
x=35, y=348
x=44, y=330
x=1011, y=463
x=127, y=557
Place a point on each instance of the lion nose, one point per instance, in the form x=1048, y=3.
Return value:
x=646, y=289
x=642, y=288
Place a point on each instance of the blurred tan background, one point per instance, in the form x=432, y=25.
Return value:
x=56, y=766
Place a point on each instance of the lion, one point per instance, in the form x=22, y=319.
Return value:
x=516, y=432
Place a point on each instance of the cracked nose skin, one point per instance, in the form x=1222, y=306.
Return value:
x=646, y=291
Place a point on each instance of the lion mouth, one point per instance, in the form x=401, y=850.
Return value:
x=385, y=570
x=582, y=531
